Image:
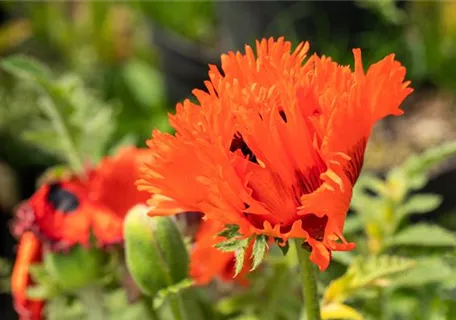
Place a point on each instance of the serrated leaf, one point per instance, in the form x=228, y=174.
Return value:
x=44, y=138
x=365, y=272
x=375, y=268
x=427, y=270
x=283, y=247
x=230, y=231
x=80, y=123
x=232, y=245
x=239, y=256
x=259, y=249
x=423, y=235
x=339, y=311
x=418, y=204
x=26, y=68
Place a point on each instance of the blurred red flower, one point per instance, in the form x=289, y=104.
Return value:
x=69, y=211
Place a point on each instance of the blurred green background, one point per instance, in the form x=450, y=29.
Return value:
x=132, y=61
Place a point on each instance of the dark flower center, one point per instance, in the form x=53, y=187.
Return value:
x=62, y=200
x=238, y=143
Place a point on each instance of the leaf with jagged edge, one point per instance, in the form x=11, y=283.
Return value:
x=423, y=234
x=259, y=250
x=375, y=268
x=230, y=231
x=366, y=273
x=239, y=255
x=26, y=68
x=232, y=245
x=238, y=246
x=82, y=124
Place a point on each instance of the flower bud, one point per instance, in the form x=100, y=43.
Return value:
x=155, y=253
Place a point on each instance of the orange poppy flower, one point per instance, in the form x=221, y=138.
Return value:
x=276, y=143
x=29, y=252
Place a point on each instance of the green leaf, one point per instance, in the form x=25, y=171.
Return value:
x=423, y=235
x=232, y=244
x=26, y=68
x=145, y=83
x=239, y=256
x=419, y=204
x=378, y=267
x=417, y=167
x=426, y=271
x=363, y=273
x=77, y=268
x=231, y=231
x=259, y=249
x=76, y=125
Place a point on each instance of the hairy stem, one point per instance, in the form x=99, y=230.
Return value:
x=308, y=282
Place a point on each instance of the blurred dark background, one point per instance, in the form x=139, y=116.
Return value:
x=143, y=57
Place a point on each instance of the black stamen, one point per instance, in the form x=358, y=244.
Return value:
x=62, y=200
x=238, y=143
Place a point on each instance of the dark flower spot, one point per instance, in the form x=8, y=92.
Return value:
x=283, y=115
x=238, y=143
x=61, y=199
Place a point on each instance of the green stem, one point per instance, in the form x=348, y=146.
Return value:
x=148, y=303
x=176, y=304
x=71, y=152
x=92, y=299
x=308, y=282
